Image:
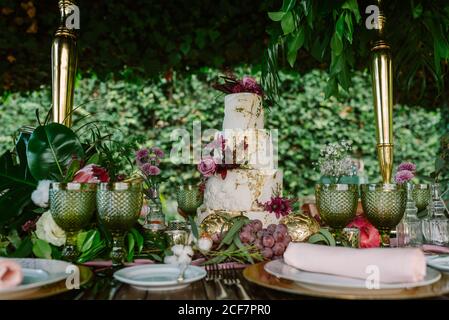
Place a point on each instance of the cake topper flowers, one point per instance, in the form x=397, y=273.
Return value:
x=233, y=85
x=280, y=206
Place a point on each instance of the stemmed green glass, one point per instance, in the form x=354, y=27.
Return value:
x=189, y=198
x=384, y=206
x=421, y=195
x=118, y=206
x=337, y=204
x=72, y=206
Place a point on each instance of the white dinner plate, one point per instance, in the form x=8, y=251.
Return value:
x=440, y=262
x=281, y=270
x=37, y=273
x=159, y=277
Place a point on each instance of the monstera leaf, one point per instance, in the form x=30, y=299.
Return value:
x=50, y=149
x=16, y=185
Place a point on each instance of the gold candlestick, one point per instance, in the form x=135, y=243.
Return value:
x=382, y=77
x=64, y=60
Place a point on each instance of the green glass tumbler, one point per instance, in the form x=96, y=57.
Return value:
x=118, y=206
x=72, y=206
x=384, y=206
x=422, y=196
x=337, y=203
x=189, y=198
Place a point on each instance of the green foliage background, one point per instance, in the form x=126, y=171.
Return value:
x=149, y=111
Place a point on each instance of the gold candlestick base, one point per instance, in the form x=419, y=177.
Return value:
x=385, y=156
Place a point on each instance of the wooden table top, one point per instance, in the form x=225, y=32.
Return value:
x=103, y=287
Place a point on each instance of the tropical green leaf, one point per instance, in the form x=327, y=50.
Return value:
x=138, y=238
x=276, y=16
x=24, y=250
x=288, y=23
x=42, y=249
x=131, y=243
x=50, y=150
x=294, y=45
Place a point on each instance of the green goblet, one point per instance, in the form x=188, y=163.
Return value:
x=337, y=204
x=118, y=206
x=189, y=198
x=72, y=206
x=421, y=196
x=384, y=206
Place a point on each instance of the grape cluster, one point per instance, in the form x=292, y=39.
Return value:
x=271, y=241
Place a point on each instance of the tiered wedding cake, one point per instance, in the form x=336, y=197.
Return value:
x=251, y=178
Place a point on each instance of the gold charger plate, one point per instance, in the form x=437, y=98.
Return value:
x=257, y=274
x=51, y=289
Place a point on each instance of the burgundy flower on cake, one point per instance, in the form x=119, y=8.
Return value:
x=403, y=176
x=207, y=166
x=408, y=166
x=232, y=85
x=91, y=173
x=369, y=235
x=279, y=206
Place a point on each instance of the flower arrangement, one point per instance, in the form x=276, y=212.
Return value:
x=334, y=161
x=148, y=161
x=233, y=85
x=215, y=162
x=405, y=172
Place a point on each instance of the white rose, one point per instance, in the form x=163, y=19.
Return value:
x=40, y=195
x=48, y=230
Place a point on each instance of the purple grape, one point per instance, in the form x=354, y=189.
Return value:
x=258, y=243
x=267, y=253
x=282, y=228
x=278, y=249
x=271, y=228
x=245, y=236
x=278, y=236
x=268, y=241
x=252, y=238
x=257, y=225
x=260, y=234
x=287, y=240
x=247, y=228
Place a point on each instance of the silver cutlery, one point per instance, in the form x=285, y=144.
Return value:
x=214, y=274
x=231, y=279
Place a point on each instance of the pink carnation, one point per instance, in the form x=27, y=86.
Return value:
x=408, y=166
x=158, y=152
x=91, y=174
x=149, y=170
x=142, y=156
x=403, y=176
x=207, y=166
x=369, y=235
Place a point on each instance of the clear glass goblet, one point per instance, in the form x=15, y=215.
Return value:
x=384, y=206
x=72, y=206
x=118, y=206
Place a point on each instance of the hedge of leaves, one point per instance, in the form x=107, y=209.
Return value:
x=149, y=111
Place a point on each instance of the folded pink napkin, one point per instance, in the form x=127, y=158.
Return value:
x=395, y=265
x=10, y=274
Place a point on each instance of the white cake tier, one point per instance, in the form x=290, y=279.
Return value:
x=243, y=111
x=266, y=217
x=242, y=189
x=252, y=148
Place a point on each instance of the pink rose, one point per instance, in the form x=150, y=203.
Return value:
x=207, y=166
x=369, y=235
x=91, y=174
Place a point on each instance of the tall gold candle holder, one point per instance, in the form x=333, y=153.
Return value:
x=382, y=78
x=64, y=61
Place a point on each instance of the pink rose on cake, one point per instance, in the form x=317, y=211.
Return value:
x=207, y=166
